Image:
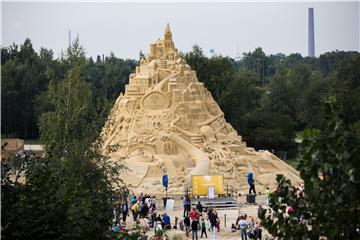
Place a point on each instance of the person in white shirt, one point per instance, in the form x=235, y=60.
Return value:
x=243, y=226
x=148, y=202
x=158, y=226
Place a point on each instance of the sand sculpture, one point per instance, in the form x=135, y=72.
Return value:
x=167, y=122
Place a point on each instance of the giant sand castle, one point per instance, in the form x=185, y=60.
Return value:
x=167, y=122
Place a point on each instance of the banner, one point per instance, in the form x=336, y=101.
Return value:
x=200, y=184
x=165, y=181
x=211, y=192
x=169, y=205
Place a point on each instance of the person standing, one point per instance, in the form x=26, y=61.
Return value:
x=184, y=205
x=260, y=211
x=135, y=211
x=144, y=211
x=181, y=224
x=267, y=195
x=213, y=218
x=187, y=225
x=203, y=228
x=153, y=218
x=158, y=226
x=187, y=205
x=250, y=179
x=140, y=197
x=199, y=207
x=152, y=203
x=243, y=226
x=194, y=216
x=124, y=210
x=217, y=220
x=258, y=232
x=194, y=229
x=252, y=229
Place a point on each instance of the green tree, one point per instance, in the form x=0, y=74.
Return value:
x=23, y=77
x=271, y=125
x=116, y=75
x=216, y=73
x=330, y=168
x=67, y=194
x=345, y=81
x=251, y=60
x=287, y=210
x=309, y=107
x=239, y=98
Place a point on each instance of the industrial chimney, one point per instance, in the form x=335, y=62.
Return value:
x=311, y=40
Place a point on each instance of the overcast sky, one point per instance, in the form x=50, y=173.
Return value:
x=127, y=28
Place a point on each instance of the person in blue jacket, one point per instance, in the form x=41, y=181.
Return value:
x=250, y=179
x=166, y=221
x=133, y=199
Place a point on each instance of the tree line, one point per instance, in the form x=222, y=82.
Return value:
x=329, y=164
x=26, y=75
x=267, y=98
x=270, y=98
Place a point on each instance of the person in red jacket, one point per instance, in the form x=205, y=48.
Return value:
x=194, y=214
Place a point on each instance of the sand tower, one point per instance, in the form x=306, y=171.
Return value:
x=167, y=122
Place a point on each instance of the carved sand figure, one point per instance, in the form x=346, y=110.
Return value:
x=167, y=122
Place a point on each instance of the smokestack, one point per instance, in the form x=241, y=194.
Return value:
x=311, y=38
x=69, y=38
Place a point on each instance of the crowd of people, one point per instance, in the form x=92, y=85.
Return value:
x=197, y=221
x=249, y=230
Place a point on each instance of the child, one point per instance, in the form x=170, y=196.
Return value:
x=181, y=224
x=176, y=222
x=233, y=227
x=203, y=228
